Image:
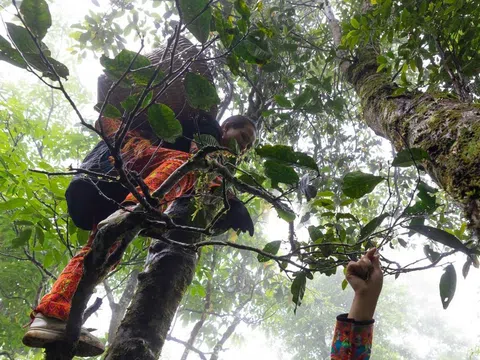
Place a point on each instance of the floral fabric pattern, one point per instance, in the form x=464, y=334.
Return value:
x=352, y=340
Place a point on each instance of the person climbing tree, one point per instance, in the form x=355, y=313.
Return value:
x=50, y=316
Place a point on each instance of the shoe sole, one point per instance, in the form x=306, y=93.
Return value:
x=40, y=338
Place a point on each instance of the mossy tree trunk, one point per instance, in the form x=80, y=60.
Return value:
x=447, y=128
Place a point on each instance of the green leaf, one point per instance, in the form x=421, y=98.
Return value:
x=372, y=225
x=22, y=238
x=258, y=48
x=381, y=59
x=205, y=140
x=111, y=111
x=163, y=122
x=315, y=233
x=298, y=289
x=148, y=98
x=12, y=204
x=406, y=157
x=402, y=242
x=82, y=236
x=37, y=16
x=129, y=103
x=118, y=66
x=280, y=173
x=286, y=154
x=356, y=184
x=286, y=215
x=381, y=67
x=326, y=203
x=344, y=284
x=39, y=234
x=302, y=99
x=49, y=259
x=355, y=23
x=440, y=236
x=197, y=15
x=282, y=101
x=36, y=61
x=339, y=216
x=466, y=267
x=270, y=248
x=400, y=91
x=23, y=41
x=448, y=285
x=233, y=64
x=200, y=92
x=242, y=8
x=11, y=55
x=272, y=66
x=247, y=178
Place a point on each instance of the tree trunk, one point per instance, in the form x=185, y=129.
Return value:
x=168, y=272
x=219, y=345
x=448, y=129
x=141, y=335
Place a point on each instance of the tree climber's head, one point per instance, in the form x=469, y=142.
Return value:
x=240, y=128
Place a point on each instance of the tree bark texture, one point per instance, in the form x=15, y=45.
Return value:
x=160, y=289
x=447, y=128
x=168, y=272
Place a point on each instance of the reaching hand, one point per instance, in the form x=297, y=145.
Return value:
x=366, y=278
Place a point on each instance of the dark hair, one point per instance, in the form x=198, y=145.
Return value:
x=239, y=121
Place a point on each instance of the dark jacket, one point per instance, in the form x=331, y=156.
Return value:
x=90, y=199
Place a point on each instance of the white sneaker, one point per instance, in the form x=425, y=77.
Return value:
x=45, y=330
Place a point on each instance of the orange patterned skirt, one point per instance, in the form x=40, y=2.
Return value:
x=155, y=165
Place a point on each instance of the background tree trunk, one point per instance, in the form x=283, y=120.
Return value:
x=207, y=305
x=119, y=309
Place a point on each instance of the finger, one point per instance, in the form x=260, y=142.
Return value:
x=356, y=269
x=376, y=261
x=370, y=253
x=365, y=262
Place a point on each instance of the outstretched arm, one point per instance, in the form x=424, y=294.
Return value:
x=353, y=332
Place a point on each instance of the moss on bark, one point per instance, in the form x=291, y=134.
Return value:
x=448, y=129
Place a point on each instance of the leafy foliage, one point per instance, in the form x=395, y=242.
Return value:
x=448, y=285
x=163, y=122
x=408, y=157
x=37, y=16
x=357, y=184
x=200, y=93
x=197, y=16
